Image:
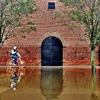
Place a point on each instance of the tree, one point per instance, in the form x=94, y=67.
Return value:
x=11, y=12
x=88, y=13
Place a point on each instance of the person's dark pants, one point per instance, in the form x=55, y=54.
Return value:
x=15, y=60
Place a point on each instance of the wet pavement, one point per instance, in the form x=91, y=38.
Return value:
x=52, y=83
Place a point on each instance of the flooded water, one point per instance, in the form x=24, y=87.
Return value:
x=52, y=83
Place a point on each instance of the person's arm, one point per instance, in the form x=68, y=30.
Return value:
x=18, y=55
x=10, y=53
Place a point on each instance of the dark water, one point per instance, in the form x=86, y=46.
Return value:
x=52, y=84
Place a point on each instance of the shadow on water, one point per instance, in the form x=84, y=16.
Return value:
x=51, y=82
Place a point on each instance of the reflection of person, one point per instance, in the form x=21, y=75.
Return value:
x=14, y=54
x=15, y=79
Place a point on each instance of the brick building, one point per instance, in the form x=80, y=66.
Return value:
x=48, y=26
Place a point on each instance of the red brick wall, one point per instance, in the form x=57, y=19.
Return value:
x=32, y=55
x=49, y=23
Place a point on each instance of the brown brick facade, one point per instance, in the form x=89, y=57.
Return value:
x=32, y=55
x=49, y=23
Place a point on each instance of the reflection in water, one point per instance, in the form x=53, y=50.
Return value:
x=94, y=97
x=51, y=82
x=56, y=84
x=93, y=86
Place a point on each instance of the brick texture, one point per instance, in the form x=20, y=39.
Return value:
x=47, y=23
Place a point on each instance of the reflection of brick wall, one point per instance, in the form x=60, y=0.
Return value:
x=32, y=55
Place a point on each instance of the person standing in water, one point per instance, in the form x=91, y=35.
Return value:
x=15, y=77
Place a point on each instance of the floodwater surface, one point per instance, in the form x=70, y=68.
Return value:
x=52, y=83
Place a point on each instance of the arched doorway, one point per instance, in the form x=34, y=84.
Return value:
x=51, y=52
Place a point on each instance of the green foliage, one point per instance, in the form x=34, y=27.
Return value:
x=24, y=7
x=88, y=13
x=28, y=29
x=33, y=28
x=76, y=15
x=30, y=23
x=69, y=2
x=66, y=2
x=11, y=12
x=98, y=39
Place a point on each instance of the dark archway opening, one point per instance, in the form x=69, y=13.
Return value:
x=51, y=52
